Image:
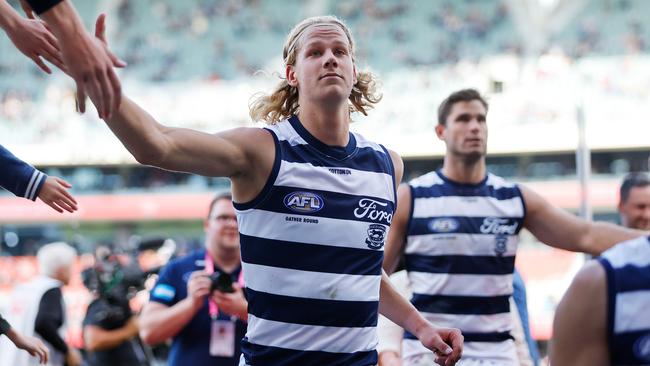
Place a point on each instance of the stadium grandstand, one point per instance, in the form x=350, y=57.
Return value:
x=196, y=64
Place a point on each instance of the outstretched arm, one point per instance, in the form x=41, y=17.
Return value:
x=31, y=37
x=246, y=155
x=560, y=229
x=579, y=327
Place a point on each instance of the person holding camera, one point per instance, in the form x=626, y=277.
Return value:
x=110, y=329
x=199, y=300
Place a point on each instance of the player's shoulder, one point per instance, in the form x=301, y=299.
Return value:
x=499, y=182
x=426, y=180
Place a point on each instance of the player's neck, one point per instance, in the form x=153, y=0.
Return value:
x=227, y=260
x=463, y=171
x=330, y=126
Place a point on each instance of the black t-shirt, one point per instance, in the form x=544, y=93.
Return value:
x=128, y=353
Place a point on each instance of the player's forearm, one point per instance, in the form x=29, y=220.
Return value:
x=64, y=21
x=604, y=235
x=8, y=16
x=138, y=132
x=163, y=323
x=396, y=308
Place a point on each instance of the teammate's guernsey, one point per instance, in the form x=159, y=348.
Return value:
x=312, y=248
x=628, y=299
x=460, y=258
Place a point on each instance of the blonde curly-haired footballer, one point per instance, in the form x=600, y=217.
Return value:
x=314, y=203
x=283, y=101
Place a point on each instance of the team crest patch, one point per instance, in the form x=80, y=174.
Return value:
x=500, y=244
x=642, y=348
x=376, y=236
x=303, y=202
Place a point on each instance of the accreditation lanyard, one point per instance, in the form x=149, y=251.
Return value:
x=209, y=269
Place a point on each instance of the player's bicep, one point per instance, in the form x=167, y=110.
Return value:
x=225, y=154
x=552, y=225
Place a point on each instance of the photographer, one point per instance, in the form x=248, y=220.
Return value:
x=110, y=329
x=198, y=300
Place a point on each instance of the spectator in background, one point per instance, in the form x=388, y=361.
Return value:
x=24, y=180
x=110, y=328
x=32, y=345
x=37, y=308
x=634, y=203
x=206, y=326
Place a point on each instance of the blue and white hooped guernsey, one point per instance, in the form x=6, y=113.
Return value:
x=627, y=266
x=312, y=248
x=460, y=256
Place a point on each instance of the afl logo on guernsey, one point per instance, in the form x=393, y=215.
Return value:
x=443, y=225
x=303, y=202
x=642, y=348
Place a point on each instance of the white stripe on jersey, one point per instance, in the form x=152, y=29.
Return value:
x=427, y=180
x=311, y=285
x=285, y=132
x=329, y=232
x=635, y=252
x=310, y=337
x=308, y=177
x=460, y=284
x=458, y=244
x=473, y=323
x=362, y=142
x=468, y=206
x=630, y=307
x=502, y=353
x=498, y=182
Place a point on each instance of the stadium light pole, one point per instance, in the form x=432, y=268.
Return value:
x=583, y=164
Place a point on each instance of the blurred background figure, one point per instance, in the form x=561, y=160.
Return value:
x=110, y=328
x=199, y=300
x=37, y=309
x=634, y=204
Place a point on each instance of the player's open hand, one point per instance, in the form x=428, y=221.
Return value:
x=90, y=63
x=446, y=343
x=33, y=346
x=55, y=194
x=35, y=41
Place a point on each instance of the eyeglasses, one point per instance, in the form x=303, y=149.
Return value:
x=225, y=218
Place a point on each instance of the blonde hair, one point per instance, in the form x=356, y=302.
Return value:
x=283, y=101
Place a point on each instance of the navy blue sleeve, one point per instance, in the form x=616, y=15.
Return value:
x=18, y=177
x=165, y=291
x=41, y=6
x=50, y=317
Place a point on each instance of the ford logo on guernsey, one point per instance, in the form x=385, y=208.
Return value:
x=303, y=202
x=443, y=225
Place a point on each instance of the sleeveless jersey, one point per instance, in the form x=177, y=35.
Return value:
x=312, y=249
x=627, y=266
x=460, y=257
